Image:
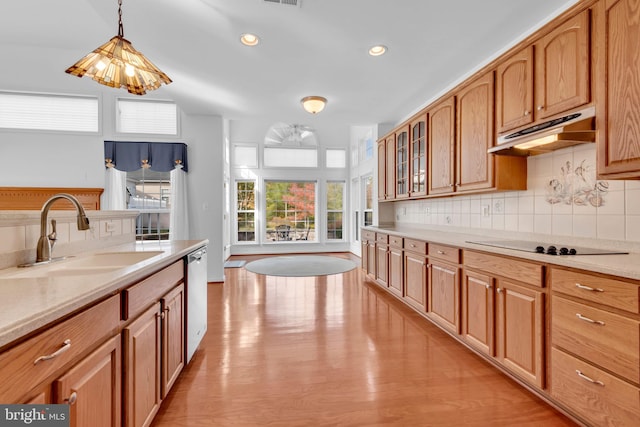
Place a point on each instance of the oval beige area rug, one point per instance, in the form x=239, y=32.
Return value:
x=300, y=266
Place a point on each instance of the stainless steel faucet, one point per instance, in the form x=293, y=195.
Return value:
x=46, y=242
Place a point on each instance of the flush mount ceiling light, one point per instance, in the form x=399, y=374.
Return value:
x=377, y=50
x=313, y=104
x=249, y=39
x=117, y=64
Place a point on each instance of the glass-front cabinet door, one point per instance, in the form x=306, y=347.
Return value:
x=402, y=163
x=418, y=150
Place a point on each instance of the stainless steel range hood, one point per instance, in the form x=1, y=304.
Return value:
x=572, y=129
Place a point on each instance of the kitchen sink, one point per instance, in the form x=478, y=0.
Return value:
x=107, y=259
x=98, y=263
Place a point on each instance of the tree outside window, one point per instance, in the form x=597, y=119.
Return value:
x=335, y=210
x=246, y=211
x=290, y=210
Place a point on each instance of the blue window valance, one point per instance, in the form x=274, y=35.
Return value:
x=158, y=156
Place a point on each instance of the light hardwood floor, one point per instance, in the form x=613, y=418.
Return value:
x=336, y=351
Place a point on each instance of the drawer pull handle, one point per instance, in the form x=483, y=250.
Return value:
x=441, y=252
x=413, y=246
x=591, y=380
x=66, y=346
x=588, y=288
x=488, y=286
x=586, y=319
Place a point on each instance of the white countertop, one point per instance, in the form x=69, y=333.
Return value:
x=28, y=304
x=626, y=266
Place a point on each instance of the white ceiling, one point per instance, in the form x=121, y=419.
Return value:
x=319, y=48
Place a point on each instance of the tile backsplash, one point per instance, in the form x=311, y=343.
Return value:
x=563, y=198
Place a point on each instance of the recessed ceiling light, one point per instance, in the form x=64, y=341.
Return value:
x=377, y=50
x=249, y=39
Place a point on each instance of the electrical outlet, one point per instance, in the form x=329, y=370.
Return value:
x=427, y=210
x=486, y=210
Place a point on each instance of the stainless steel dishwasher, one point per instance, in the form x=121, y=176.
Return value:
x=196, y=299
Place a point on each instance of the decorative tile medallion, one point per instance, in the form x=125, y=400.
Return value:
x=577, y=185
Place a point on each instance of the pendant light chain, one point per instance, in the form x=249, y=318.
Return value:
x=120, y=27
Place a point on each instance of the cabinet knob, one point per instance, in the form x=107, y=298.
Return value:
x=540, y=107
x=526, y=113
x=72, y=398
x=499, y=290
x=442, y=252
x=488, y=286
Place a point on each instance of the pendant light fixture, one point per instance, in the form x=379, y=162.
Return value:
x=117, y=64
x=313, y=104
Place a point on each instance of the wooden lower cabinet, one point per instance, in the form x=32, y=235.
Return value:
x=520, y=331
x=143, y=349
x=154, y=357
x=478, y=325
x=173, y=339
x=444, y=295
x=396, y=270
x=92, y=388
x=415, y=280
x=382, y=264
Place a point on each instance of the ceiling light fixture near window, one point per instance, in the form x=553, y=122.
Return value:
x=313, y=104
x=377, y=50
x=249, y=39
x=117, y=64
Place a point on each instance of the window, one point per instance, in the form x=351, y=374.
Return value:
x=48, y=112
x=149, y=192
x=245, y=156
x=336, y=158
x=366, y=148
x=368, y=200
x=146, y=117
x=246, y=211
x=335, y=211
x=290, y=157
x=290, y=210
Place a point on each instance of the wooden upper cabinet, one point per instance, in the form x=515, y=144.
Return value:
x=562, y=71
x=514, y=91
x=402, y=163
x=619, y=50
x=385, y=175
x=418, y=156
x=475, y=118
x=441, y=131
x=390, y=180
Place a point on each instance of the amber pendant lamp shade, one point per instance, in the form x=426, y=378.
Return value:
x=118, y=64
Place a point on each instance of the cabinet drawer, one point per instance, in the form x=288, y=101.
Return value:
x=600, y=398
x=606, y=339
x=615, y=293
x=417, y=246
x=523, y=271
x=22, y=366
x=445, y=253
x=141, y=295
x=395, y=241
x=368, y=235
x=382, y=238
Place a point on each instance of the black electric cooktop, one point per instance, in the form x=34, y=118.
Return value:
x=546, y=248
